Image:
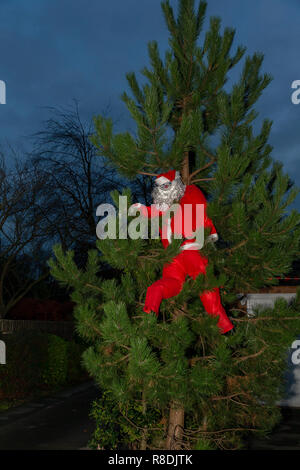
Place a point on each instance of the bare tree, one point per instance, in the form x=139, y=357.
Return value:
x=76, y=179
x=51, y=197
x=22, y=234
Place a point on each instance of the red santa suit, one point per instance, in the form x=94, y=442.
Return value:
x=189, y=262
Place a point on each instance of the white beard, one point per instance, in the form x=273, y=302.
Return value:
x=164, y=198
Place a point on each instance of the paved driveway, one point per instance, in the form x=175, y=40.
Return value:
x=286, y=436
x=61, y=422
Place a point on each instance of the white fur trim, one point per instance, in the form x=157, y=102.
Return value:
x=214, y=237
x=162, y=207
x=169, y=231
x=162, y=180
x=191, y=246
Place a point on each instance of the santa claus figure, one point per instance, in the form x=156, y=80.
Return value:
x=169, y=189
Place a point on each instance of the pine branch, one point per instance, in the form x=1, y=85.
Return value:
x=146, y=173
x=202, y=179
x=254, y=320
x=251, y=356
x=202, y=168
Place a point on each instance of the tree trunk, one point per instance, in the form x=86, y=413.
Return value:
x=2, y=310
x=176, y=413
x=175, y=427
x=143, y=445
x=185, y=172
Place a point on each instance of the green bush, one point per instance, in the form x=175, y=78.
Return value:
x=75, y=371
x=25, y=352
x=118, y=426
x=55, y=370
x=38, y=361
x=108, y=433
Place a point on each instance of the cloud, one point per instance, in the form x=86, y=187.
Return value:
x=57, y=50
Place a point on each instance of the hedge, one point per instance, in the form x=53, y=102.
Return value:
x=37, y=361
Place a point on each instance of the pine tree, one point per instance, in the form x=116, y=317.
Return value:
x=175, y=382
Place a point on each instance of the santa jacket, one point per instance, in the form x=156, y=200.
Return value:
x=192, y=196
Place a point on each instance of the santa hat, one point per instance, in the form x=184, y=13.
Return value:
x=167, y=177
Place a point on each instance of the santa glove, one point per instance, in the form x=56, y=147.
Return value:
x=141, y=207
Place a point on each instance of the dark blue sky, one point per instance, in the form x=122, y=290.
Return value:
x=52, y=51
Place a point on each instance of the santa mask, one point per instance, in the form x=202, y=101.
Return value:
x=168, y=189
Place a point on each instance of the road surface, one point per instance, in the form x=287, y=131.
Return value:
x=62, y=423
x=54, y=423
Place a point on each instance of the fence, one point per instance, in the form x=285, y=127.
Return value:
x=64, y=329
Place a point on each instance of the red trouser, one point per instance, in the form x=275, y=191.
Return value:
x=192, y=263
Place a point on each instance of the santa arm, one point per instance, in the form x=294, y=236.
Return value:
x=199, y=198
x=147, y=211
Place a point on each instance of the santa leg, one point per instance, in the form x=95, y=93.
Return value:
x=169, y=285
x=192, y=263
x=212, y=303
